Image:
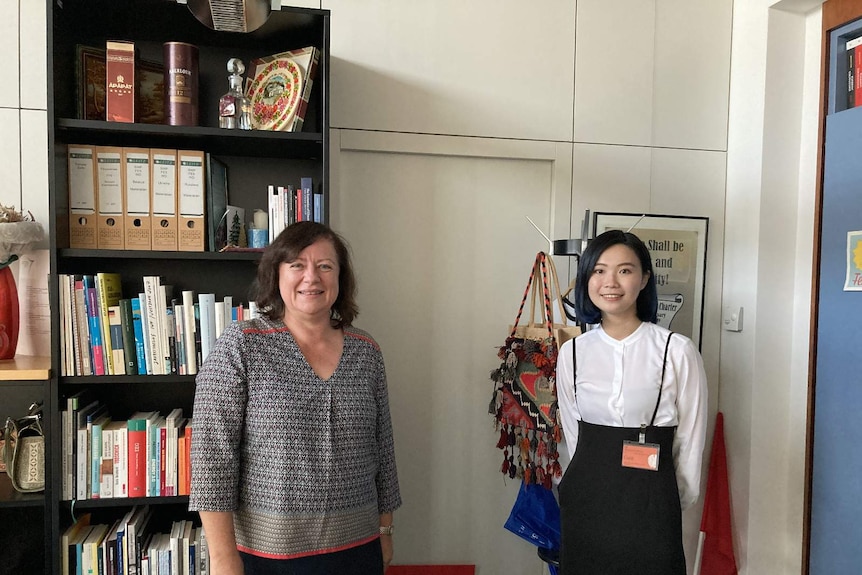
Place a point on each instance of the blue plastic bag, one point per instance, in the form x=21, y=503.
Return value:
x=535, y=517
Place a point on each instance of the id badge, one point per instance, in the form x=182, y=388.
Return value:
x=640, y=455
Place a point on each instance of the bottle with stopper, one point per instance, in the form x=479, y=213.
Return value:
x=234, y=109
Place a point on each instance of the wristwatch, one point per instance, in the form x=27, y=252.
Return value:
x=386, y=529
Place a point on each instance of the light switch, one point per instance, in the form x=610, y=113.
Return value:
x=732, y=318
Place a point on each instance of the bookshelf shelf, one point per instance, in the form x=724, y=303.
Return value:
x=24, y=369
x=125, y=502
x=148, y=255
x=259, y=143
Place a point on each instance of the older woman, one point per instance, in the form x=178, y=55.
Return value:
x=293, y=463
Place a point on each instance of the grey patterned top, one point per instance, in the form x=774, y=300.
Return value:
x=306, y=465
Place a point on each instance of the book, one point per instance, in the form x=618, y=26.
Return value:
x=71, y=536
x=122, y=548
x=67, y=364
x=319, y=213
x=109, y=550
x=137, y=426
x=72, y=348
x=107, y=471
x=185, y=547
x=82, y=196
x=140, y=340
x=79, y=401
x=136, y=186
x=135, y=528
x=109, y=291
x=177, y=530
x=76, y=550
x=191, y=194
x=94, y=327
x=170, y=326
x=216, y=199
x=275, y=211
x=183, y=440
x=118, y=354
x=120, y=457
x=167, y=327
x=127, y=328
x=91, y=549
x=307, y=188
x=857, y=69
x=94, y=473
x=163, y=201
x=173, y=421
x=154, y=316
x=180, y=336
x=110, y=233
x=189, y=332
x=154, y=453
x=82, y=341
x=219, y=318
x=206, y=301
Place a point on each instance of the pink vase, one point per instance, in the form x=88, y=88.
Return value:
x=8, y=314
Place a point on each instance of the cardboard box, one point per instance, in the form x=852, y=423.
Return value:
x=163, y=201
x=136, y=163
x=120, y=79
x=191, y=194
x=82, y=196
x=109, y=191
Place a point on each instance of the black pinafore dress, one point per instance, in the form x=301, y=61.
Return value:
x=617, y=520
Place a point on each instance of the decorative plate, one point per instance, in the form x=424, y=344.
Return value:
x=275, y=94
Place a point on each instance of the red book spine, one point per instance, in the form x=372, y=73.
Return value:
x=188, y=448
x=181, y=464
x=162, y=457
x=857, y=58
x=299, y=206
x=137, y=460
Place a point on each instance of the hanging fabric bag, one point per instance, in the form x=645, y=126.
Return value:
x=524, y=401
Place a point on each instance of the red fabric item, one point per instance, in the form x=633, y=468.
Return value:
x=718, y=557
x=431, y=570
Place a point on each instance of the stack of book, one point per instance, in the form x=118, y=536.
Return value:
x=154, y=333
x=132, y=545
x=288, y=205
x=147, y=454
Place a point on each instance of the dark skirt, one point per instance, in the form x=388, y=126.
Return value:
x=362, y=560
x=616, y=520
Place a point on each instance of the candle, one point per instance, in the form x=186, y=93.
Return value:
x=260, y=220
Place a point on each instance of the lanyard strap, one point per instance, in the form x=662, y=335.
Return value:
x=661, y=381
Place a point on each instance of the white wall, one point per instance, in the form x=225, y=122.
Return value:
x=769, y=230
x=451, y=122
x=23, y=108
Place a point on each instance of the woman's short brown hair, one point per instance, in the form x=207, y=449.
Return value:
x=286, y=248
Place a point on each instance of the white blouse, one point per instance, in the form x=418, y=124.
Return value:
x=618, y=386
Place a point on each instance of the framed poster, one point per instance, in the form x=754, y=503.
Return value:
x=677, y=245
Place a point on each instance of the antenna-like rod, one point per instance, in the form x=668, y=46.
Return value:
x=547, y=239
x=636, y=223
